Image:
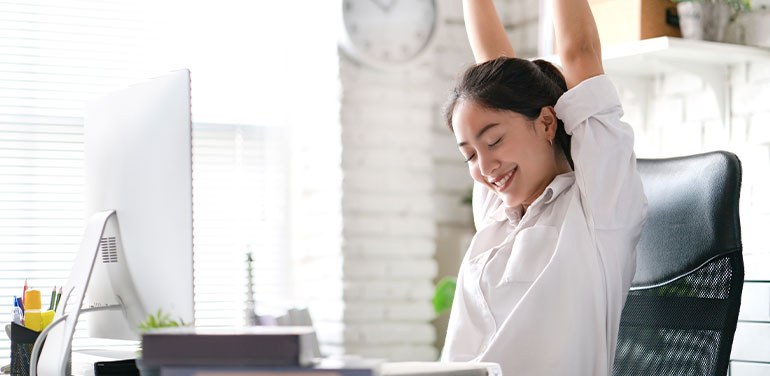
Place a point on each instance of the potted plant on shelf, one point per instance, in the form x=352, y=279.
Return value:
x=707, y=19
x=751, y=28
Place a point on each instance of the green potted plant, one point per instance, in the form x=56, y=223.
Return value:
x=708, y=19
x=751, y=28
x=159, y=320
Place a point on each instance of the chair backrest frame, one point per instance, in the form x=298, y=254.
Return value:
x=682, y=310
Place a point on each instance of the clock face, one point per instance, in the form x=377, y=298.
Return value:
x=388, y=31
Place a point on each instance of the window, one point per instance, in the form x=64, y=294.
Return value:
x=57, y=55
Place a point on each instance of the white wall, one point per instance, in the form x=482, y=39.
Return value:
x=369, y=268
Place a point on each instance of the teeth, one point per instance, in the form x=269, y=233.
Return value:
x=504, y=180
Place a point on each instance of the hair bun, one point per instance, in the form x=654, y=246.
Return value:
x=552, y=72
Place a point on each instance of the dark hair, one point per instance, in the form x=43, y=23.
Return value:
x=513, y=84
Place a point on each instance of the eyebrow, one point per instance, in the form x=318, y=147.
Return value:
x=481, y=132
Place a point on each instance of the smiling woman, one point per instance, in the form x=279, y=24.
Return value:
x=558, y=203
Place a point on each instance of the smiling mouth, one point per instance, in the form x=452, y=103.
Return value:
x=503, y=182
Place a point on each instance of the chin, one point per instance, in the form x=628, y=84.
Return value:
x=510, y=202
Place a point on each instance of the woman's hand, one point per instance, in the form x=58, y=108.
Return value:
x=485, y=31
x=577, y=40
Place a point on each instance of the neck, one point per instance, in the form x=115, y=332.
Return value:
x=561, y=167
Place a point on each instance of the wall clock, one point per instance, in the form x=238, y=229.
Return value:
x=388, y=33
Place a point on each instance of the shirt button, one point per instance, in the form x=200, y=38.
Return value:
x=483, y=348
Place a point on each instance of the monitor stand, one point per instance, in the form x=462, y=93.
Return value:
x=55, y=354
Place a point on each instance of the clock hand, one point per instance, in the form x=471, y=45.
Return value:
x=385, y=5
x=380, y=5
x=389, y=4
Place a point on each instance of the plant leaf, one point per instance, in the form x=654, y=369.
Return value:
x=445, y=292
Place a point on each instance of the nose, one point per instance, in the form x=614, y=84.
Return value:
x=488, y=164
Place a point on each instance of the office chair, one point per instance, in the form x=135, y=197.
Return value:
x=682, y=309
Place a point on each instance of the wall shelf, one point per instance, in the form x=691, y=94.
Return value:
x=655, y=56
x=711, y=61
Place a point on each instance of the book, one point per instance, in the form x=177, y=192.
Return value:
x=347, y=367
x=324, y=367
x=249, y=346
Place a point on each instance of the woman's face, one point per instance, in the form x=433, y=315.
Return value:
x=505, y=151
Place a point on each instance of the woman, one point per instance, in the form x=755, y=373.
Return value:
x=558, y=203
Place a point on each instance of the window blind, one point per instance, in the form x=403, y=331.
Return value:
x=57, y=55
x=239, y=206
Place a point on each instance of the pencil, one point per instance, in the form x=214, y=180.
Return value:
x=21, y=304
x=58, y=297
x=24, y=294
x=53, y=299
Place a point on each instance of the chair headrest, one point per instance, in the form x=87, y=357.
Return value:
x=692, y=214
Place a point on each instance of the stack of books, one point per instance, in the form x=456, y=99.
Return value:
x=272, y=351
x=250, y=351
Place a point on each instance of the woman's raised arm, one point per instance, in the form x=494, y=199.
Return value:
x=577, y=40
x=485, y=31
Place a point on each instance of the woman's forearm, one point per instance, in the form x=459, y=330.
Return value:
x=577, y=40
x=485, y=31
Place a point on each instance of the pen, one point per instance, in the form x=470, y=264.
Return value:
x=21, y=304
x=17, y=313
x=53, y=299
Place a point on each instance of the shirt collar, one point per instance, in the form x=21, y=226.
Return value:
x=514, y=214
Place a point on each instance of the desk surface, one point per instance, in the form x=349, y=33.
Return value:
x=86, y=352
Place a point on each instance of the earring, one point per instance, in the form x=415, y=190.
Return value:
x=550, y=141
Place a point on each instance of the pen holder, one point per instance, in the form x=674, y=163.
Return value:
x=22, y=340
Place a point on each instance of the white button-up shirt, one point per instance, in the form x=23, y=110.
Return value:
x=542, y=293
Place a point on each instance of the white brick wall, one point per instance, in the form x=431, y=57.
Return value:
x=370, y=294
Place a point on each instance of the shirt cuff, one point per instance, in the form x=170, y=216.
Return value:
x=590, y=97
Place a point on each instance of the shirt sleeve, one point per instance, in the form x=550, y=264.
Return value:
x=603, y=152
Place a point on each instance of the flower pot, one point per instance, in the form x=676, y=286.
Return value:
x=752, y=28
x=703, y=20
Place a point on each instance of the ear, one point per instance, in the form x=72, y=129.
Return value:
x=548, y=120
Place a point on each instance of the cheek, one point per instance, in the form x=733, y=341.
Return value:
x=475, y=173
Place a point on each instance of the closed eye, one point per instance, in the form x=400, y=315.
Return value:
x=490, y=145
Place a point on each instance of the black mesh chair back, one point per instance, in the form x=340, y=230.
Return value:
x=682, y=309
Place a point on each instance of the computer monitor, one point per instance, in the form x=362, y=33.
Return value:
x=138, y=160
x=138, y=152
